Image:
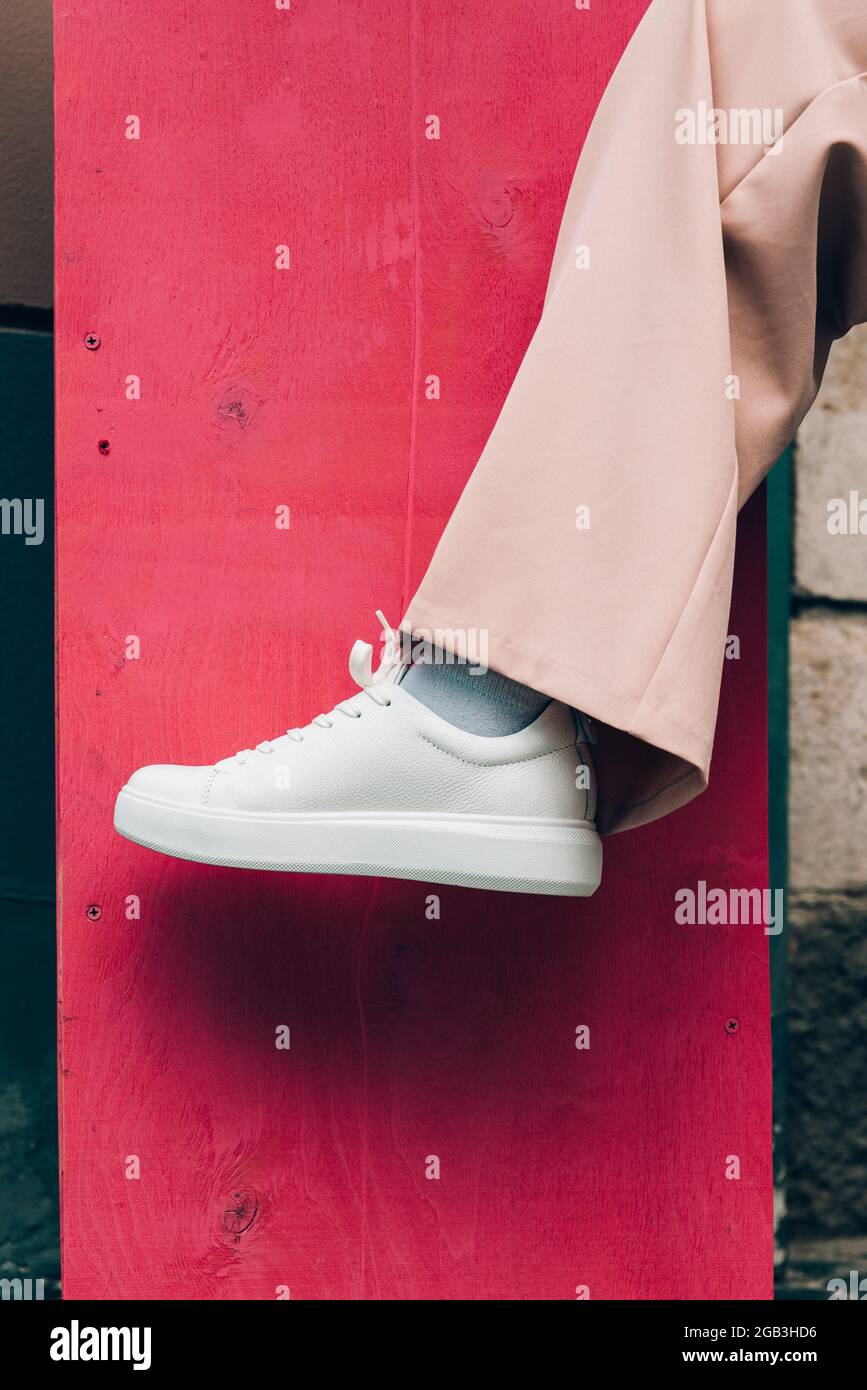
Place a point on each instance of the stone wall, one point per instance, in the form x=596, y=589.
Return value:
x=827, y=1193
x=26, y=115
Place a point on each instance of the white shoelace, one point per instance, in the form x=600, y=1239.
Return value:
x=362, y=672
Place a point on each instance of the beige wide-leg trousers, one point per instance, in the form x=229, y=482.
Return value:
x=713, y=245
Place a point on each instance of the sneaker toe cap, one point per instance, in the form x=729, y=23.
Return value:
x=168, y=782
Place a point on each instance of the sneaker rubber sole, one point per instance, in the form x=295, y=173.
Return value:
x=506, y=854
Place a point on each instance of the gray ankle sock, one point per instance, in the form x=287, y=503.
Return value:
x=476, y=700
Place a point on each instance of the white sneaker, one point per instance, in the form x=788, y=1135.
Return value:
x=383, y=786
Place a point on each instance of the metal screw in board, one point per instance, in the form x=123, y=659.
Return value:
x=91, y=341
x=104, y=446
x=732, y=1025
x=94, y=912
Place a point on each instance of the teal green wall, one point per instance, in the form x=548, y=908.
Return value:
x=28, y=1094
x=779, y=503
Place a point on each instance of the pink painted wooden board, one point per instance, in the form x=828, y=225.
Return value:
x=263, y=1169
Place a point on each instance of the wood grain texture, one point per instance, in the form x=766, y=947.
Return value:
x=265, y=1169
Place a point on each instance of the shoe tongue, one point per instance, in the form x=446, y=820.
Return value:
x=361, y=660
